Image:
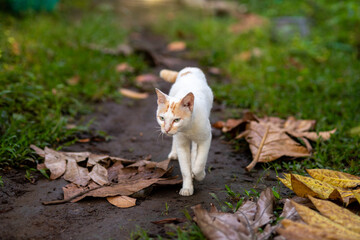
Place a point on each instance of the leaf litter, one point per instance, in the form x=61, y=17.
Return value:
x=96, y=175
x=324, y=184
x=270, y=138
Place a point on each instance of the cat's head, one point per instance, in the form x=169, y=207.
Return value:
x=174, y=115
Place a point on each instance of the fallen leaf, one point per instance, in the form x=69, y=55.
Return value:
x=247, y=22
x=337, y=214
x=326, y=184
x=243, y=224
x=122, y=201
x=55, y=162
x=268, y=143
x=132, y=94
x=335, y=178
x=73, y=80
x=357, y=196
x=298, y=231
x=84, y=140
x=124, y=67
x=176, y=46
x=99, y=174
x=315, y=219
x=75, y=173
x=214, y=70
x=146, y=78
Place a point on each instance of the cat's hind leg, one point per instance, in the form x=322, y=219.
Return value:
x=173, y=153
x=198, y=168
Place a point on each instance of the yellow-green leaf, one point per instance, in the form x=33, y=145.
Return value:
x=357, y=196
x=306, y=186
x=337, y=214
x=286, y=180
x=335, y=178
x=316, y=220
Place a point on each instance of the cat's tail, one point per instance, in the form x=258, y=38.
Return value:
x=169, y=75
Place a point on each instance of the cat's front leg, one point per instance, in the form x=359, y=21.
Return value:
x=173, y=153
x=198, y=168
x=183, y=151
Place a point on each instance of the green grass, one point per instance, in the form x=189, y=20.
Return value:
x=39, y=53
x=311, y=77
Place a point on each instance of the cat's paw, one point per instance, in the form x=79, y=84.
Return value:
x=186, y=191
x=199, y=176
x=173, y=156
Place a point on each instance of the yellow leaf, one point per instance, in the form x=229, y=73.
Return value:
x=339, y=179
x=306, y=186
x=316, y=220
x=286, y=180
x=337, y=214
x=357, y=196
x=299, y=231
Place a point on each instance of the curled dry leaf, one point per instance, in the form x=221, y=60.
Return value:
x=176, y=46
x=73, y=81
x=99, y=174
x=147, y=78
x=124, y=67
x=75, y=173
x=243, y=224
x=122, y=201
x=132, y=94
x=336, y=178
x=55, y=162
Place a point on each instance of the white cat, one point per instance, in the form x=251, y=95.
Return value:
x=184, y=114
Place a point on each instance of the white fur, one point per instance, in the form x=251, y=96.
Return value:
x=195, y=131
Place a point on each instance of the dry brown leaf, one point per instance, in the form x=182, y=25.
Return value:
x=73, y=80
x=214, y=70
x=75, y=173
x=247, y=22
x=132, y=94
x=176, y=46
x=264, y=212
x=147, y=78
x=55, y=162
x=124, y=67
x=99, y=174
x=122, y=201
x=268, y=143
x=243, y=224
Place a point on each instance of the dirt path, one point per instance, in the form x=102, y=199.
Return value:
x=133, y=128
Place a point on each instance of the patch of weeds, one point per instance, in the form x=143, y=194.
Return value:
x=49, y=76
x=166, y=211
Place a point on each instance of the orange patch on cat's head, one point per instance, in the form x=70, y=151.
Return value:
x=183, y=108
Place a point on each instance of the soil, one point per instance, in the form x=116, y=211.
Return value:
x=134, y=135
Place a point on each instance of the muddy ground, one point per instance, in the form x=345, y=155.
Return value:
x=134, y=134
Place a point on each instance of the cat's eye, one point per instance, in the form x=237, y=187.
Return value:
x=176, y=120
x=162, y=118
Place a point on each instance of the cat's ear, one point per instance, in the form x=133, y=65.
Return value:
x=188, y=101
x=162, y=97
